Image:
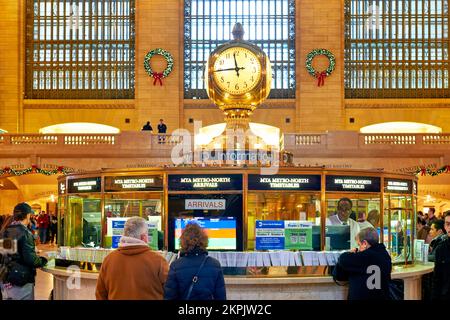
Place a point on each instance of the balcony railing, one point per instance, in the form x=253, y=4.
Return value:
x=139, y=143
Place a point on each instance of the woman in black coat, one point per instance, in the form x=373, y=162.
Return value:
x=195, y=275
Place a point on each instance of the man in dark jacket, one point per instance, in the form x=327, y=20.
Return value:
x=441, y=275
x=25, y=261
x=367, y=268
x=437, y=231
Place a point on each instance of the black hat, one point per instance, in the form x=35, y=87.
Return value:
x=21, y=210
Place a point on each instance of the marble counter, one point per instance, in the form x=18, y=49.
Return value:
x=71, y=284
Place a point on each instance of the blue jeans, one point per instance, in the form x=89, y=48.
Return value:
x=11, y=292
x=43, y=234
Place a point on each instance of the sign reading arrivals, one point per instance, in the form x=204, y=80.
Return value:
x=85, y=185
x=284, y=182
x=134, y=183
x=398, y=186
x=205, y=182
x=353, y=183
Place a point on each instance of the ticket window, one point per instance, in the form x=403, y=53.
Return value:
x=121, y=206
x=83, y=222
x=285, y=207
x=398, y=226
x=346, y=216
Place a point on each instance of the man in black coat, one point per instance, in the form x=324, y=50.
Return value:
x=366, y=268
x=19, y=284
x=441, y=276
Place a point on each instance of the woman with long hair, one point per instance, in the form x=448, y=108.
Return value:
x=195, y=275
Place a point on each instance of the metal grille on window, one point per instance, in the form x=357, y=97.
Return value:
x=270, y=24
x=80, y=49
x=396, y=49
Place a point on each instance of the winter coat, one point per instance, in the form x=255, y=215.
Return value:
x=210, y=284
x=441, y=275
x=434, y=244
x=132, y=272
x=356, y=268
x=26, y=256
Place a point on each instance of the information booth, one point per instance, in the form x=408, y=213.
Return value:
x=262, y=228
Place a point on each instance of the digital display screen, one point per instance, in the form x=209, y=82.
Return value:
x=221, y=231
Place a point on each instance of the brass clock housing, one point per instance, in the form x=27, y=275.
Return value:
x=238, y=77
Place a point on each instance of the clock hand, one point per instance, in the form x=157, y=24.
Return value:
x=236, y=65
x=228, y=69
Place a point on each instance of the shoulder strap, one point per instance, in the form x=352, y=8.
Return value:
x=195, y=278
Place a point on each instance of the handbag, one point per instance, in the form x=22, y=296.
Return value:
x=18, y=275
x=195, y=278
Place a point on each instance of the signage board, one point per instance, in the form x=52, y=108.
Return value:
x=284, y=182
x=134, y=183
x=84, y=185
x=353, y=183
x=202, y=182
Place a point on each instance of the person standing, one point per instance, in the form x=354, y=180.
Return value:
x=441, y=274
x=342, y=217
x=147, y=127
x=53, y=228
x=162, y=128
x=431, y=217
x=133, y=271
x=43, y=224
x=366, y=268
x=422, y=228
x=19, y=284
x=195, y=275
x=438, y=235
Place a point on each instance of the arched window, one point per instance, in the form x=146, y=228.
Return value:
x=396, y=49
x=268, y=23
x=78, y=127
x=80, y=49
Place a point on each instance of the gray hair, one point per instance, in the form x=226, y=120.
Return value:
x=135, y=227
x=369, y=234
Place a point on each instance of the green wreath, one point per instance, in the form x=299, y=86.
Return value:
x=320, y=75
x=157, y=75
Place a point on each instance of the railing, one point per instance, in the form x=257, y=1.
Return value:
x=103, y=139
x=299, y=139
x=33, y=139
x=390, y=139
x=144, y=142
x=308, y=139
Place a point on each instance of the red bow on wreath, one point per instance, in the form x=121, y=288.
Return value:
x=423, y=171
x=447, y=168
x=157, y=76
x=321, y=78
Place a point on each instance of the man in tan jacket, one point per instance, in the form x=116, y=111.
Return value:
x=133, y=271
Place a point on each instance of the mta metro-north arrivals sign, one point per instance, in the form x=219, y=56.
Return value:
x=284, y=182
x=198, y=182
x=353, y=183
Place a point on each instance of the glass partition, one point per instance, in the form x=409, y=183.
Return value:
x=61, y=214
x=121, y=206
x=294, y=216
x=83, y=225
x=346, y=216
x=398, y=223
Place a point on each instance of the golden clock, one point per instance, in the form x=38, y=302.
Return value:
x=238, y=76
x=237, y=70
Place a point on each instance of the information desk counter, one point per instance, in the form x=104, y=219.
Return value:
x=72, y=285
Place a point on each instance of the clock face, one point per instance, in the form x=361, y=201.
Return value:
x=237, y=70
